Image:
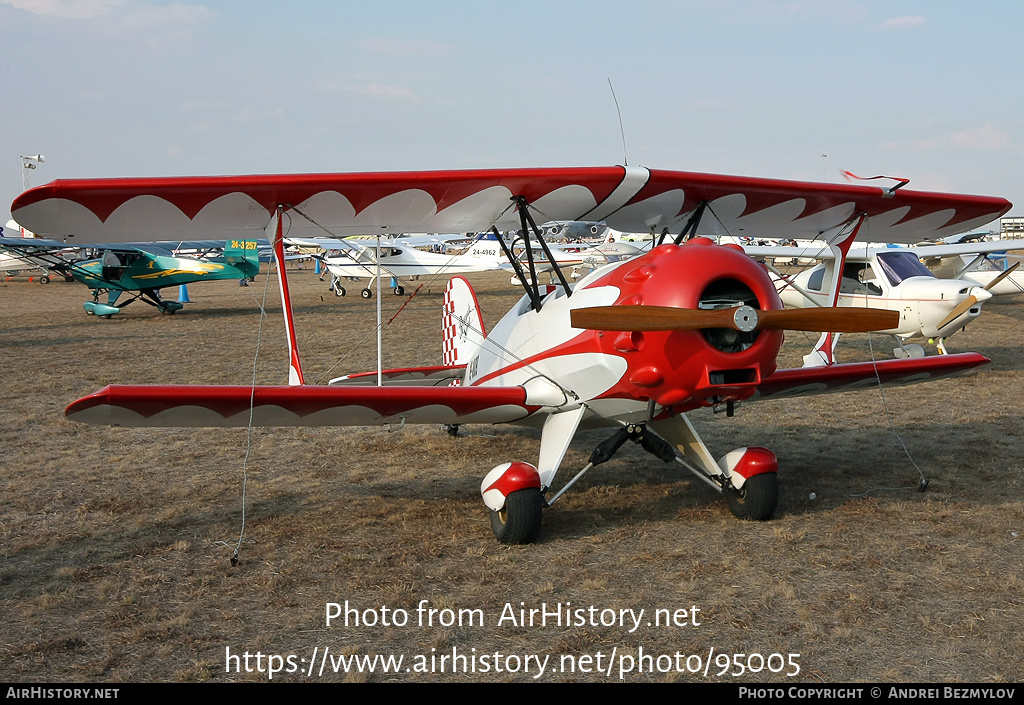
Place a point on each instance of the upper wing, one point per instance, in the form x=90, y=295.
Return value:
x=967, y=248
x=781, y=251
x=849, y=377
x=188, y=406
x=31, y=244
x=862, y=253
x=631, y=199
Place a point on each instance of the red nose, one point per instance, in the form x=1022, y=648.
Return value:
x=685, y=369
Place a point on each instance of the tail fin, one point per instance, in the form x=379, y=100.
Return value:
x=463, y=325
x=244, y=255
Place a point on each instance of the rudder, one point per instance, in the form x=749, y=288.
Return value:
x=244, y=256
x=461, y=322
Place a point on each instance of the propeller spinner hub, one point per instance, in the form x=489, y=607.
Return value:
x=745, y=318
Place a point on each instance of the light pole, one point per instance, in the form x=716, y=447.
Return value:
x=26, y=165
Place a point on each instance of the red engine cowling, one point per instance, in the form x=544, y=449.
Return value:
x=686, y=369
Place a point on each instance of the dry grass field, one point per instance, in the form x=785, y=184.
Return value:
x=114, y=563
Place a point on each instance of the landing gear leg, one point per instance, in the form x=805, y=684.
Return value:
x=747, y=476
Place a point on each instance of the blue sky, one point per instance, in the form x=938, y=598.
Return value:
x=925, y=90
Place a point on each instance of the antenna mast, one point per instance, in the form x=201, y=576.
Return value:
x=622, y=131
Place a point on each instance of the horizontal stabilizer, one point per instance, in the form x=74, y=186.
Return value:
x=437, y=376
x=307, y=405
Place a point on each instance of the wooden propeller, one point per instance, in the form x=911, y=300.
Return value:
x=741, y=318
x=965, y=305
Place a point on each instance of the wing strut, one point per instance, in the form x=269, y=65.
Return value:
x=294, y=366
x=524, y=217
x=690, y=229
x=517, y=267
x=839, y=244
x=532, y=287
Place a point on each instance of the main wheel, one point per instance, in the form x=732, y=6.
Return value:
x=366, y=293
x=339, y=290
x=757, y=499
x=399, y=290
x=44, y=279
x=519, y=521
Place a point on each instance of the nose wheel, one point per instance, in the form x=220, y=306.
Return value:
x=518, y=522
x=757, y=499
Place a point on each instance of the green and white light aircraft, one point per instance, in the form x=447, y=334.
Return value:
x=140, y=270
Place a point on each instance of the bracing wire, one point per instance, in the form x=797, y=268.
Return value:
x=892, y=426
x=262, y=305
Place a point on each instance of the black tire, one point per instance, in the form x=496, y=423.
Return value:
x=44, y=279
x=757, y=499
x=399, y=290
x=366, y=293
x=519, y=521
x=339, y=291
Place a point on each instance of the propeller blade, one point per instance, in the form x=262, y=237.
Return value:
x=651, y=318
x=992, y=284
x=742, y=318
x=834, y=320
x=961, y=308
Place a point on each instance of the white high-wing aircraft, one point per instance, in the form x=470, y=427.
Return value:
x=400, y=258
x=892, y=278
x=430, y=255
x=10, y=262
x=981, y=262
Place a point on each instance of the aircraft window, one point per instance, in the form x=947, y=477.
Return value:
x=898, y=266
x=817, y=277
x=854, y=280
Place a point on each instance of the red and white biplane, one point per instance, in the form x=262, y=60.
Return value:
x=633, y=346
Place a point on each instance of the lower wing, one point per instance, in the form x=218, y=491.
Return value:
x=850, y=377
x=185, y=406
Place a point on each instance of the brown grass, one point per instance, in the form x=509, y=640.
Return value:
x=113, y=566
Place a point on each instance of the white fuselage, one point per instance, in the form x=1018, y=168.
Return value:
x=405, y=261
x=896, y=281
